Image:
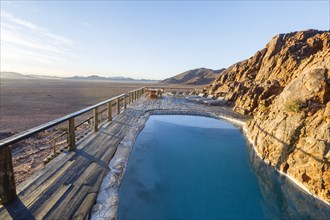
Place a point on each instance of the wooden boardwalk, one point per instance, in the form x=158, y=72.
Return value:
x=66, y=188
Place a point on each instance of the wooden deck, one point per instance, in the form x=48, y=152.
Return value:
x=66, y=188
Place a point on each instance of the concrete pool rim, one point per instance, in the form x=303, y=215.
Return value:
x=106, y=205
x=107, y=202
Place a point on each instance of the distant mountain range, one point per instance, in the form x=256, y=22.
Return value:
x=200, y=76
x=14, y=75
x=115, y=78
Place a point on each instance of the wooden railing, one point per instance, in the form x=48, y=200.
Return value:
x=7, y=179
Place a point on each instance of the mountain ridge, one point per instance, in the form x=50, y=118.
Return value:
x=199, y=76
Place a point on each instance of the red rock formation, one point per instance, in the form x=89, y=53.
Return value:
x=286, y=89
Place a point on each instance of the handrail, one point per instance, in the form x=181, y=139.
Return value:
x=28, y=133
x=168, y=88
x=7, y=180
x=137, y=89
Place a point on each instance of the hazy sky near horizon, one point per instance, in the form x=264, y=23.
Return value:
x=144, y=39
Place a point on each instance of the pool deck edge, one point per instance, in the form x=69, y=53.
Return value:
x=106, y=207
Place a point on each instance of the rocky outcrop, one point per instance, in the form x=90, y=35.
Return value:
x=286, y=89
x=200, y=76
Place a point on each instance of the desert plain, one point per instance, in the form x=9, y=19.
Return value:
x=27, y=103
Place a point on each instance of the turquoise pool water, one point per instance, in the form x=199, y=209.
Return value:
x=189, y=167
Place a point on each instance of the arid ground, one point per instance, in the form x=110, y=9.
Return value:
x=27, y=103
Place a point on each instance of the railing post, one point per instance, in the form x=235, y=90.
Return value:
x=125, y=101
x=118, y=105
x=135, y=94
x=7, y=179
x=54, y=146
x=71, y=135
x=96, y=119
x=109, y=111
x=129, y=98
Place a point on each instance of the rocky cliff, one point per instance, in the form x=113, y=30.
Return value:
x=200, y=76
x=285, y=88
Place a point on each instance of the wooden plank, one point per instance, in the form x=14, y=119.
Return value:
x=89, y=140
x=107, y=156
x=73, y=169
x=95, y=187
x=46, y=173
x=87, y=172
x=94, y=182
x=106, y=131
x=33, y=198
x=84, y=210
x=97, y=145
x=89, y=181
x=37, y=180
x=51, y=201
x=79, y=181
x=65, y=204
x=69, y=211
x=27, y=199
x=95, y=173
x=49, y=192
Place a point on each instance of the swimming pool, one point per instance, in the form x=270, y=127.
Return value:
x=189, y=167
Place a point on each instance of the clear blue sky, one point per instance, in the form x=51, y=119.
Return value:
x=144, y=39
